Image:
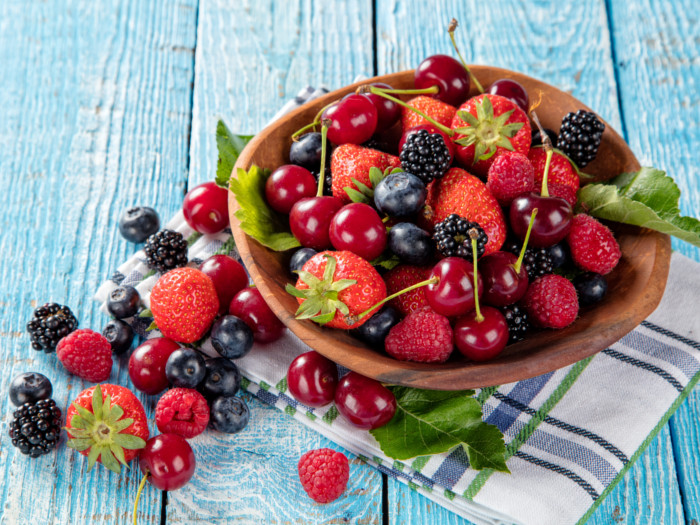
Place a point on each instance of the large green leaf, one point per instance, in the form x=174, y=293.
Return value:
x=230, y=147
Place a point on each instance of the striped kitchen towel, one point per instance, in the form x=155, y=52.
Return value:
x=571, y=434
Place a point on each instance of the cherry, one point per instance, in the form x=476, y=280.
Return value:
x=511, y=90
x=228, y=275
x=388, y=112
x=288, y=184
x=447, y=74
x=312, y=379
x=353, y=120
x=357, y=228
x=206, y=208
x=309, y=220
x=453, y=293
x=147, y=364
x=168, y=461
x=503, y=285
x=249, y=306
x=432, y=130
x=364, y=402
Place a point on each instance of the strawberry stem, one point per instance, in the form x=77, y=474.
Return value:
x=451, y=30
x=322, y=174
x=432, y=280
x=519, y=262
x=474, y=235
x=138, y=495
x=382, y=93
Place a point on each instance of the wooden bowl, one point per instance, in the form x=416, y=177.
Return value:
x=634, y=287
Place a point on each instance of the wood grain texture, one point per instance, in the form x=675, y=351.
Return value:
x=96, y=107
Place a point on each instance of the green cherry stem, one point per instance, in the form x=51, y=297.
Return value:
x=432, y=280
x=474, y=235
x=138, y=496
x=322, y=174
x=432, y=90
x=382, y=93
x=316, y=121
x=451, y=30
x=549, y=149
x=519, y=262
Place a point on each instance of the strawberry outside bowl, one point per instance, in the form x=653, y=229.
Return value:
x=635, y=286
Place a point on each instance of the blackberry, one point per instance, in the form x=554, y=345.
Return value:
x=166, y=250
x=537, y=261
x=49, y=324
x=580, y=135
x=518, y=322
x=425, y=155
x=327, y=181
x=36, y=427
x=452, y=237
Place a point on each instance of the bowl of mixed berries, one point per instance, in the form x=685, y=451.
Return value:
x=422, y=228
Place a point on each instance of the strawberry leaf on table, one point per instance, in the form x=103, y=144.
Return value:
x=230, y=147
x=431, y=422
x=647, y=198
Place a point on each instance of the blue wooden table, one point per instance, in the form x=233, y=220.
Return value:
x=104, y=105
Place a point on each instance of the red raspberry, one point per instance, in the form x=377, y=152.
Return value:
x=424, y=337
x=402, y=277
x=563, y=191
x=86, y=354
x=510, y=175
x=551, y=301
x=593, y=245
x=324, y=474
x=182, y=411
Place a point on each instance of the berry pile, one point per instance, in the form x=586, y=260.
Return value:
x=36, y=424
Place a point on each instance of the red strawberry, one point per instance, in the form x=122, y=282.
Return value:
x=486, y=126
x=107, y=423
x=184, y=304
x=182, y=411
x=563, y=191
x=335, y=286
x=439, y=111
x=551, y=301
x=560, y=169
x=402, y=277
x=424, y=336
x=86, y=354
x=350, y=161
x=510, y=175
x=324, y=474
x=464, y=194
x=593, y=245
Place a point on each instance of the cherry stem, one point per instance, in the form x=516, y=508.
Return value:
x=432, y=90
x=322, y=174
x=474, y=234
x=549, y=149
x=298, y=132
x=519, y=262
x=377, y=91
x=451, y=30
x=432, y=280
x=138, y=495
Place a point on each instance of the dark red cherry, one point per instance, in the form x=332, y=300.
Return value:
x=388, y=111
x=358, y=228
x=353, y=120
x=364, y=402
x=447, y=74
x=431, y=129
x=168, y=460
x=310, y=220
x=312, y=379
x=229, y=277
x=249, y=306
x=206, y=208
x=552, y=223
x=481, y=340
x=502, y=284
x=453, y=294
x=511, y=90
x=287, y=185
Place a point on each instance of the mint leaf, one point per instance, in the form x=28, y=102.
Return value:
x=230, y=147
x=258, y=220
x=647, y=198
x=431, y=422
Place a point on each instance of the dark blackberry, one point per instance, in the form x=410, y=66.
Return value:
x=537, y=261
x=36, y=427
x=518, y=322
x=327, y=181
x=452, y=237
x=166, y=250
x=537, y=138
x=375, y=143
x=425, y=155
x=49, y=324
x=580, y=135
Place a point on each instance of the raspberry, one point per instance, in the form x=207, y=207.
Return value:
x=424, y=336
x=402, y=277
x=452, y=237
x=182, y=411
x=551, y=301
x=324, y=474
x=86, y=354
x=563, y=191
x=593, y=246
x=580, y=135
x=510, y=175
x=425, y=155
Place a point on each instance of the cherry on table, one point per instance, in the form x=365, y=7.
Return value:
x=502, y=284
x=453, y=293
x=353, y=120
x=310, y=218
x=511, y=90
x=229, y=277
x=388, y=111
x=481, y=340
x=249, y=305
x=147, y=364
x=312, y=379
x=206, y=208
x=356, y=227
x=364, y=402
x=447, y=74
x=287, y=185
x=168, y=461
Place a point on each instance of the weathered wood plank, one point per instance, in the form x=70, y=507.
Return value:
x=96, y=112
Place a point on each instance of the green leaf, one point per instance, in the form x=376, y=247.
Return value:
x=97, y=402
x=145, y=313
x=84, y=413
x=356, y=196
x=375, y=176
x=152, y=326
x=258, y=220
x=432, y=422
x=118, y=453
x=386, y=261
x=468, y=118
x=108, y=460
x=79, y=444
x=92, y=456
x=128, y=441
x=230, y=147
x=647, y=198
x=292, y=290
x=123, y=424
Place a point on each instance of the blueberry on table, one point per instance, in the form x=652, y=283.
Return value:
x=138, y=223
x=231, y=337
x=185, y=368
x=119, y=334
x=123, y=302
x=222, y=378
x=229, y=414
x=29, y=387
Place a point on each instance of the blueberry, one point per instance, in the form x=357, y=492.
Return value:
x=374, y=331
x=123, y=302
x=138, y=223
x=119, y=334
x=222, y=378
x=29, y=387
x=306, y=151
x=559, y=254
x=231, y=337
x=229, y=414
x=591, y=288
x=411, y=244
x=299, y=259
x=185, y=368
x=400, y=195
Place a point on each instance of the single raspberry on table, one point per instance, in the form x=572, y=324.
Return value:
x=402, y=277
x=182, y=411
x=324, y=474
x=593, y=245
x=510, y=175
x=424, y=336
x=551, y=301
x=86, y=354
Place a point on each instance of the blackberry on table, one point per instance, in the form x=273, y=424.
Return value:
x=580, y=135
x=452, y=237
x=425, y=155
x=49, y=324
x=537, y=261
x=36, y=427
x=166, y=250
x=518, y=322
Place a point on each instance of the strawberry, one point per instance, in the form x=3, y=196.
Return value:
x=107, y=423
x=402, y=277
x=184, y=304
x=561, y=171
x=486, y=126
x=424, y=337
x=439, y=111
x=350, y=161
x=467, y=196
x=334, y=287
